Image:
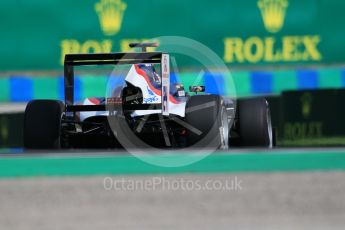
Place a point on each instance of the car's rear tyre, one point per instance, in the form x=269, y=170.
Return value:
x=42, y=121
x=207, y=116
x=255, y=128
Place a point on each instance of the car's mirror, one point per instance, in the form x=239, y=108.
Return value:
x=197, y=89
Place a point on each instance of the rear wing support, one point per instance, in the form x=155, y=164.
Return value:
x=165, y=70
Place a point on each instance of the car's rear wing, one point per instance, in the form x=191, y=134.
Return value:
x=72, y=60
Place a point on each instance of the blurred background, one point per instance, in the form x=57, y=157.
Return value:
x=290, y=51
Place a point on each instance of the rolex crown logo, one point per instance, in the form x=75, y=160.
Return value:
x=110, y=13
x=306, y=101
x=273, y=13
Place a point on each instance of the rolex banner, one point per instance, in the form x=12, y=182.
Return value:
x=35, y=34
x=311, y=118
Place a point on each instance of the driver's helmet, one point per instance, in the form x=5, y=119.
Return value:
x=151, y=72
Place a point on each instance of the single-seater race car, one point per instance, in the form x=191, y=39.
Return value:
x=146, y=110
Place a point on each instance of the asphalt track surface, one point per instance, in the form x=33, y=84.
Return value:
x=304, y=190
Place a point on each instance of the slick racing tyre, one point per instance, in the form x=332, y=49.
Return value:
x=42, y=121
x=208, y=122
x=255, y=128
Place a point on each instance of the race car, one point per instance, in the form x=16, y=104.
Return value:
x=147, y=110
